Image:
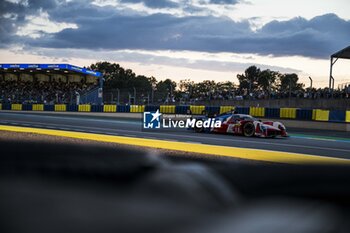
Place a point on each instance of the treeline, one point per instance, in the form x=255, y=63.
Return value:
x=252, y=81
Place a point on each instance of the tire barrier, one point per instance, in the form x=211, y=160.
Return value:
x=60, y=107
x=290, y=113
x=17, y=107
x=336, y=116
x=84, y=108
x=123, y=108
x=321, y=115
x=49, y=107
x=212, y=110
x=167, y=109
x=137, y=108
x=224, y=109
x=96, y=108
x=197, y=110
x=152, y=108
x=257, y=111
x=182, y=109
x=109, y=108
x=304, y=114
x=272, y=112
x=243, y=110
x=37, y=107
x=283, y=113
x=27, y=107
x=72, y=108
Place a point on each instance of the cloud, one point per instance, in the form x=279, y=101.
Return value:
x=105, y=27
x=154, y=3
x=224, y=2
x=204, y=63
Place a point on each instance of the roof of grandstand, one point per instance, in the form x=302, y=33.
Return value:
x=344, y=53
x=67, y=68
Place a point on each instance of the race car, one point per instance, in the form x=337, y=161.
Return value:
x=246, y=125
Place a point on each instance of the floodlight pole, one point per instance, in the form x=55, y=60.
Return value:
x=118, y=95
x=310, y=83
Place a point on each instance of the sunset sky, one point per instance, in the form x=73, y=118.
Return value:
x=186, y=39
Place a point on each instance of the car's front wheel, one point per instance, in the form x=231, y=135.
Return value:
x=249, y=129
x=198, y=129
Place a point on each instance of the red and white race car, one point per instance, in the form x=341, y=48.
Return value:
x=246, y=125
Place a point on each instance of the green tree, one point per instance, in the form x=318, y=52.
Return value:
x=249, y=79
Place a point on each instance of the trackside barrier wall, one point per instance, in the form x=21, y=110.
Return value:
x=123, y=108
x=290, y=113
x=212, y=110
x=84, y=108
x=181, y=109
x=224, y=109
x=347, y=117
x=49, y=107
x=257, y=111
x=321, y=115
x=72, y=108
x=60, y=108
x=109, y=108
x=17, y=107
x=38, y=107
x=137, y=108
x=152, y=108
x=243, y=110
x=167, y=108
x=272, y=112
x=197, y=110
x=336, y=116
x=304, y=114
x=96, y=108
x=27, y=107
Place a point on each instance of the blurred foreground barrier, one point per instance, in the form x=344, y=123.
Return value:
x=123, y=108
x=167, y=108
x=0, y=106
x=60, y=108
x=84, y=108
x=257, y=111
x=321, y=115
x=17, y=107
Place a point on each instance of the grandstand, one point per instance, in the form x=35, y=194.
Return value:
x=49, y=84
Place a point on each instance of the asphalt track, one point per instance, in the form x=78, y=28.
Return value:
x=322, y=143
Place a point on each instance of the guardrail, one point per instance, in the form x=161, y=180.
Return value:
x=281, y=113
